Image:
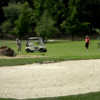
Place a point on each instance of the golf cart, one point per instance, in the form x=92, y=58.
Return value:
x=34, y=44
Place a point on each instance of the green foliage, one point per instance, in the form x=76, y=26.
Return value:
x=24, y=21
x=67, y=16
x=6, y=27
x=97, y=30
x=45, y=27
x=37, y=11
x=18, y=18
x=12, y=11
x=55, y=8
x=72, y=25
x=84, y=27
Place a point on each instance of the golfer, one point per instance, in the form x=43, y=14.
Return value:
x=18, y=42
x=87, y=40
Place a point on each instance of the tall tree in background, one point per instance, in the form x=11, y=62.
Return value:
x=11, y=13
x=67, y=16
x=55, y=9
x=2, y=18
x=23, y=24
x=89, y=12
x=45, y=27
x=71, y=24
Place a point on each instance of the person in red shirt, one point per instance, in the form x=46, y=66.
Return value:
x=87, y=41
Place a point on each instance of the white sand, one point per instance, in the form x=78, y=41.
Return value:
x=49, y=80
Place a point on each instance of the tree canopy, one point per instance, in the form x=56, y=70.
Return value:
x=48, y=18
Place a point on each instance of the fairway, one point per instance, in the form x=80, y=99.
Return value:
x=56, y=51
x=62, y=48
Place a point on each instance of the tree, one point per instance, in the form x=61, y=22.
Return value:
x=11, y=12
x=55, y=8
x=45, y=27
x=68, y=16
x=6, y=28
x=89, y=12
x=23, y=24
x=71, y=24
x=2, y=18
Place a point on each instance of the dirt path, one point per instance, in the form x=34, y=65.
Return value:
x=48, y=80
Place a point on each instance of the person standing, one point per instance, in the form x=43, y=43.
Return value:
x=18, y=42
x=27, y=43
x=87, y=41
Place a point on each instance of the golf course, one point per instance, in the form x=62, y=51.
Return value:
x=60, y=50
x=67, y=68
x=49, y=50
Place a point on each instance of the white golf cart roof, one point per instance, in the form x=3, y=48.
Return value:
x=34, y=38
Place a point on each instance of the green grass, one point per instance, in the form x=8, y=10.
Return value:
x=73, y=49
x=57, y=51
x=89, y=96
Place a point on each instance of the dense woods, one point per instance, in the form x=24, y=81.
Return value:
x=49, y=18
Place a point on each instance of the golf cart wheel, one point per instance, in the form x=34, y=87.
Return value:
x=28, y=50
x=43, y=50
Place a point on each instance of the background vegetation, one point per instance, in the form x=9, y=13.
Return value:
x=49, y=18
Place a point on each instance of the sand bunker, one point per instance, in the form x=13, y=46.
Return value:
x=49, y=80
